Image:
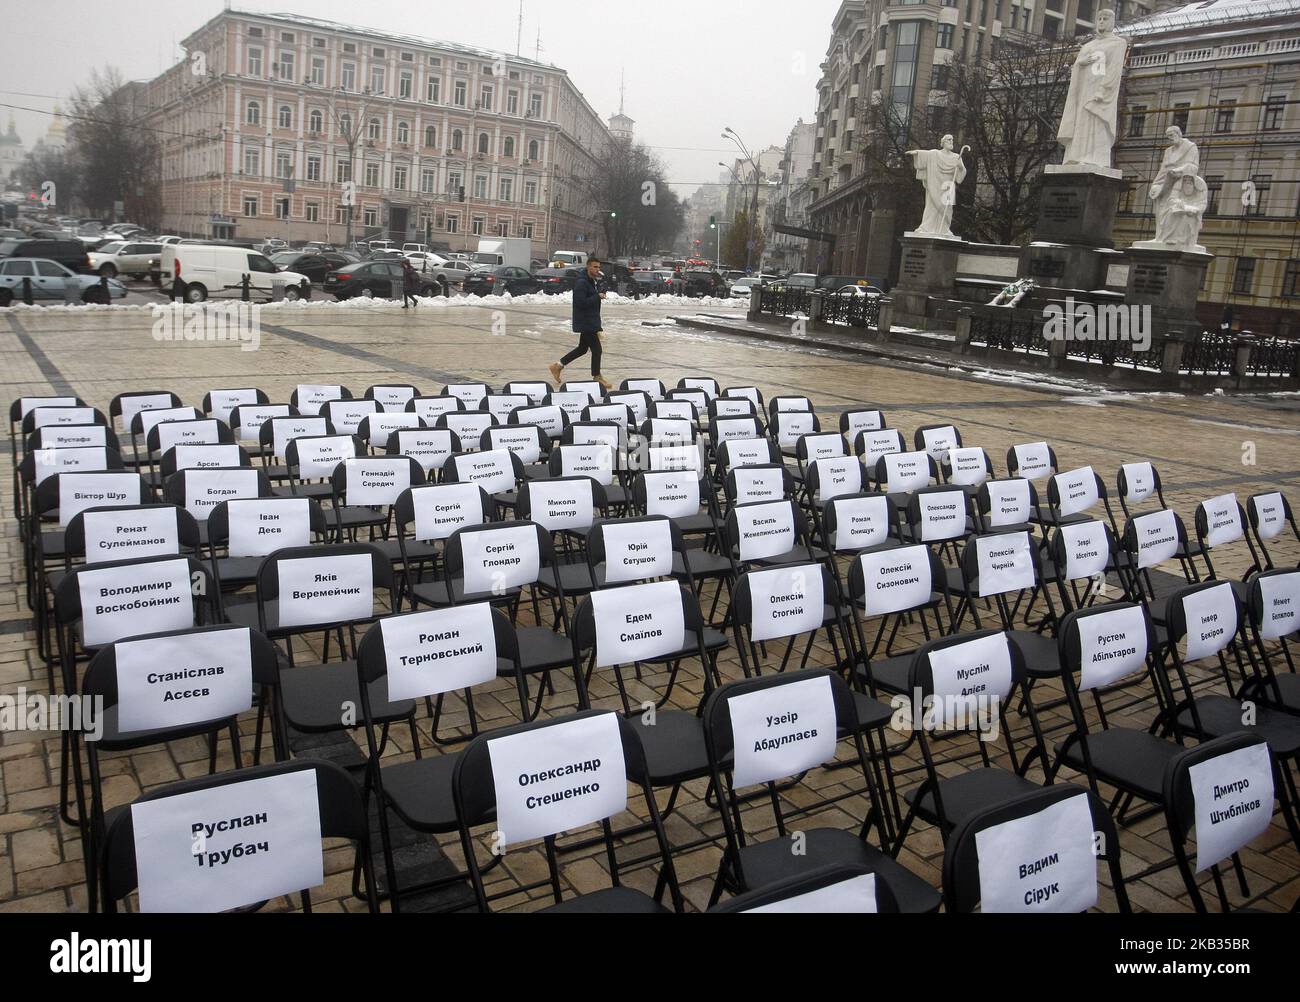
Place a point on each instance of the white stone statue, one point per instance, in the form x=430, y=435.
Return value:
x=941, y=171
x=1092, y=104
x=1179, y=212
x=1181, y=160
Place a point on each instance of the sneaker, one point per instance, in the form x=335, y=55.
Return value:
x=557, y=371
x=608, y=386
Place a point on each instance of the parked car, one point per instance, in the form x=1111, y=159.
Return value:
x=414, y=248
x=557, y=280
x=699, y=284
x=501, y=281
x=453, y=273
x=314, y=266
x=674, y=284
x=647, y=283
x=51, y=281
x=139, y=260
x=373, y=280
x=165, y=240
x=867, y=291
x=617, y=277
x=217, y=270
x=801, y=280
x=385, y=254
x=69, y=252
x=8, y=234
x=742, y=287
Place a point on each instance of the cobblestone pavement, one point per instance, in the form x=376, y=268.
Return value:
x=1202, y=446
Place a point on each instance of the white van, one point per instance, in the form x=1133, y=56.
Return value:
x=217, y=271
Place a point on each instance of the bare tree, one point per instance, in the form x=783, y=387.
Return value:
x=349, y=117
x=639, y=211
x=736, y=250
x=114, y=155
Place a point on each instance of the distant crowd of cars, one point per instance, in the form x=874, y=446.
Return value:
x=68, y=259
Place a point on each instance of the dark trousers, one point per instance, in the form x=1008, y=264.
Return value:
x=408, y=298
x=586, y=343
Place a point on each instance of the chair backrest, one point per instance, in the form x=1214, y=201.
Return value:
x=784, y=404
x=54, y=415
x=1137, y=483
x=376, y=430
x=1001, y=564
x=316, y=457
x=777, y=603
x=634, y=623
x=502, y=405
x=1152, y=539
x=724, y=429
x=319, y=587
x=1083, y=550
x=199, y=491
x=871, y=445
x=1273, y=604
x=883, y=582
x=736, y=453
x=131, y=532
x=72, y=436
x=967, y=466
x=497, y=472
x=127, y=405
x=628, y=550
x=146, y=420
x=729, y=408
x=591, y=389
x=571, y=402
x=258, y=527
x=652, y=388
x=1207, y=616
x=834, y=477
x=615, y=412
x=392, y=397
x=751, y=393
x=124, y=598
x=431, y=408
x=668, y=493
x=70, y=493
x=202, y=457
x=937, y=440
x=247, y=420
x=1221, y=522
x=434, y=511
x=551, y=418
x=1223, y=790
x=528, y=441
x=835, y=889
x=937, y=514
x=1033, y=460
x=750, y=484
x=674, y=409
x=285, y=809
x=857, y=419
x=277, y=433
x=638, y=405
x=1036, y=853
x=823, y=445
x=562, y=503
x=469, y=425
x=494, y=559
x=905, y=472
x=219, y=403
x=374, y=481
x=39, y=466
x=765, y=529
x=430, y=447
x=167, y=435
x=1076, y=492
x=859, y=522
x=535, y=391
x=311, y=398
x=1100, y=647
x=1269, y=515
x=707, y=384
x=787, y=427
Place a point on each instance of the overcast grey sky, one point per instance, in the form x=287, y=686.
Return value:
x=692, y=67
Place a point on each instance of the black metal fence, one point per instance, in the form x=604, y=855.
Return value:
x=851, y=309
x=1272, y=356
x=1008, y=330
x=781, y=302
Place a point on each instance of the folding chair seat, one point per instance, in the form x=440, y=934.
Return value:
x=942, y=676
x=498, y=563
x=1066, y=823
x=337, y=812
x=1193, y=798
x=1137, y=484
x=566, y=507
x=1273, y=614
x=250, y=530
x=488, y=793
x=327, y=590
x=428, y=655
x=428, y=515
x=1270, y=515
x=745, y=724
x=835, y=890
x=392, y=397
x=1148, y=542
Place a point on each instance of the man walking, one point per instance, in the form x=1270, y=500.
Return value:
x=586, y=324
x=410, y=285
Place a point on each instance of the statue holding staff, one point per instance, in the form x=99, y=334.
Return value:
x=941, y=171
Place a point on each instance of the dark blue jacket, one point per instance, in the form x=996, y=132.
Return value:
x=586, y=306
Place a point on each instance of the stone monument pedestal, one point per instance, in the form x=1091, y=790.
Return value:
x=1166, y=279
x=928, y=270
x=1078, y=205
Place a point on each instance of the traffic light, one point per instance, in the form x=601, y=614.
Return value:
x=613, y=215
x=713, y=222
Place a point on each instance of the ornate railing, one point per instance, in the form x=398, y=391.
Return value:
x=1273, y=356
x=1121, y=352
x=1211, y=354
x=1008, y=330
x=780, y=302
x=851, y=309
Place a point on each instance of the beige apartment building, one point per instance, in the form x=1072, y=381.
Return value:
x=274, y=121
x=1228, y=74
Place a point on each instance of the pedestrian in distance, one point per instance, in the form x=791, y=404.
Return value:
x=410, y=285
x=586, y=324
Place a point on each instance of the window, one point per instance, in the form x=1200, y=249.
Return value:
x=508, y=146
x=315, y=121
x=372, y=174
x=318, y=71
x=453, y=223
x=343, y=172
x=403, y=132
x=253, y=115
x=484, y=143
x=477, y=227
x=374, y=130
x=939, y=77
x=428, y=178
x=459, y=94
x=457, y=140
x=506, y=189
x=535, y=105
x=485, y=97
x=286, y=65
x=480, y=186
x=1291, y=280
x=250, y=205
x=370, y=217
x=345, y=125
x=455, y=181
x=434, y=90
x=285, y=120
x=503, y=227
x=342, y=213
x=528, y=230
x=1182, y=111
x=1243, y=282
x=313, y=166
x=1086, y=11
x=252, y=161
x=404, y=84
x=1052, y=27
x=1274, y=112
x=399, y=177
x=254, y=62
x=1225, y=115
x=281, y=208
x=283, y=164
x=1137, y=120
x=348, y=80
x=512, y=103
x=431, y=135
x=1263, y=183
x=286, y=36
x=534, y=150
x=377, y=53
x=376, y=80
x=906, y=47
x=530, y=192
x=944, y=38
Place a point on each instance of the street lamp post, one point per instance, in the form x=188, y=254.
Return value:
x=727, y=133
